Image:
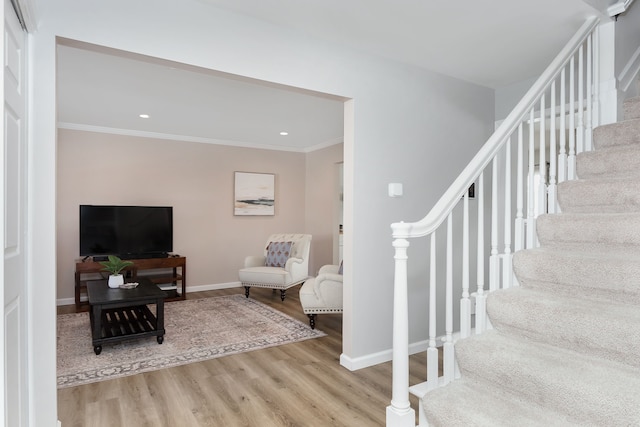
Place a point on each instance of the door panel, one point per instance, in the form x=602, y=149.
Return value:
x=14, y=230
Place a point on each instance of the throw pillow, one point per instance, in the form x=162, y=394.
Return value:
x=278, y=253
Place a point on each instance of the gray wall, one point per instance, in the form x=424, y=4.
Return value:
x=628, y=45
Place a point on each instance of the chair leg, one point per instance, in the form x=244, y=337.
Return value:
x=246, y=291
x=282, y=294
x=312, y=320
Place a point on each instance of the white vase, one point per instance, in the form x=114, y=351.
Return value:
x=115, y=280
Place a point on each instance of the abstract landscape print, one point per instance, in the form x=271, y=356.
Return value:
x=254, y=193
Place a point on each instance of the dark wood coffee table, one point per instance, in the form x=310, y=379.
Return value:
x=121, y=314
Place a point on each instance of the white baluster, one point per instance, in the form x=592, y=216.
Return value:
x=595, y=121
x=432, y=351
x=399, y=412
x=465, y=302
x=587, y=130
x=519, y=225
x=542, y=168
x=571, y=160
x=531, y=225
x=447, y=350
x=551, y=192
x=494, y=259
x=481, y=308
x=562, y=156
x=507, y=270
x=580, y=127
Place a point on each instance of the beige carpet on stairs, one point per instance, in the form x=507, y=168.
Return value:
x=565, y=348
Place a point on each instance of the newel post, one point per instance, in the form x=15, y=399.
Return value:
x=400, y=413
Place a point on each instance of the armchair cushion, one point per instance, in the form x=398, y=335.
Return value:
x=278, y=253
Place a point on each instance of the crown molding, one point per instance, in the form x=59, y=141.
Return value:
x=187, y=138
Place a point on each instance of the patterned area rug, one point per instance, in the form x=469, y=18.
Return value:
x=196, y=330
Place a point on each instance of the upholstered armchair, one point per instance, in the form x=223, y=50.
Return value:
x=284, y=263
x=322, y=294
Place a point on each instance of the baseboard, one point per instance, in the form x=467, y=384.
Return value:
x=68, y=301
x=198, y=288
x=213, y=287
x=353, y=364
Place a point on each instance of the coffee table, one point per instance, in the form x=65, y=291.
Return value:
x=122, y=314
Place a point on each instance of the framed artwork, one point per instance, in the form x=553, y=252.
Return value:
x=254, y=194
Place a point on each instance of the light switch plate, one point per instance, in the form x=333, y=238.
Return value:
x=395, y=189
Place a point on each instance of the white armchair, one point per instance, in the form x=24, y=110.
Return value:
x=322, y=294
x=280, y=267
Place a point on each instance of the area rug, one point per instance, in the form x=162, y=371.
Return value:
x=196, y=330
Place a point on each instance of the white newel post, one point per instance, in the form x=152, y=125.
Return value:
x=400, y=413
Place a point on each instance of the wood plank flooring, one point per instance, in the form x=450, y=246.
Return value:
x=299, y=384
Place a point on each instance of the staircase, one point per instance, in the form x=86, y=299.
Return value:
x=565, y=345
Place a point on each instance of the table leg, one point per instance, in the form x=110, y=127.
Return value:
x=160, y=319
x=96, y=326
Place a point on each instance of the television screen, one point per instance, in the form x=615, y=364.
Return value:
x=126, y=231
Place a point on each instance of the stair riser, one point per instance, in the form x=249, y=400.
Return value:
x=520, y=312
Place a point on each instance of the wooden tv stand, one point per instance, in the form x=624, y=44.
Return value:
x=170, y=271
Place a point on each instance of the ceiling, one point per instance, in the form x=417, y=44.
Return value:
x=106, y=90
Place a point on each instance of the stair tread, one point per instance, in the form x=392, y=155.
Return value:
x=486, y=406
x=631, y=108
x=620, y=194
x=585, y=325
x=611, y=275
x=623, y=161
x=623, y=133
x=586, y=388
x=577, y=229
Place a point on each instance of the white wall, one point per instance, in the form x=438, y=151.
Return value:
x=625, y=61
x=407, y=125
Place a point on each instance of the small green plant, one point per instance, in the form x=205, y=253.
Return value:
x=115, y=265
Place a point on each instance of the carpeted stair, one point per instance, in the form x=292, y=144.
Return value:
x=565, y=348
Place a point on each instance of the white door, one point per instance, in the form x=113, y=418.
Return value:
x=14, y=199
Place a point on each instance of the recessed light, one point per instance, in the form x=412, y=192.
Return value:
x=144, y=116
x=284, y=133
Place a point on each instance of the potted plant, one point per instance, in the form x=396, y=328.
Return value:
x=114, y=266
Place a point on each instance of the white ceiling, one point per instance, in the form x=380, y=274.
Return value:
x=472, y=40
x=104, y=90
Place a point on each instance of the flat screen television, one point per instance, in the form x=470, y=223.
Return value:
x=126, y=231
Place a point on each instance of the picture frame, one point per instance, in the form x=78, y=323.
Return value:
x=254, y=194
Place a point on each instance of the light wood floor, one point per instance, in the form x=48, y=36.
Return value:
x=300, y=384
